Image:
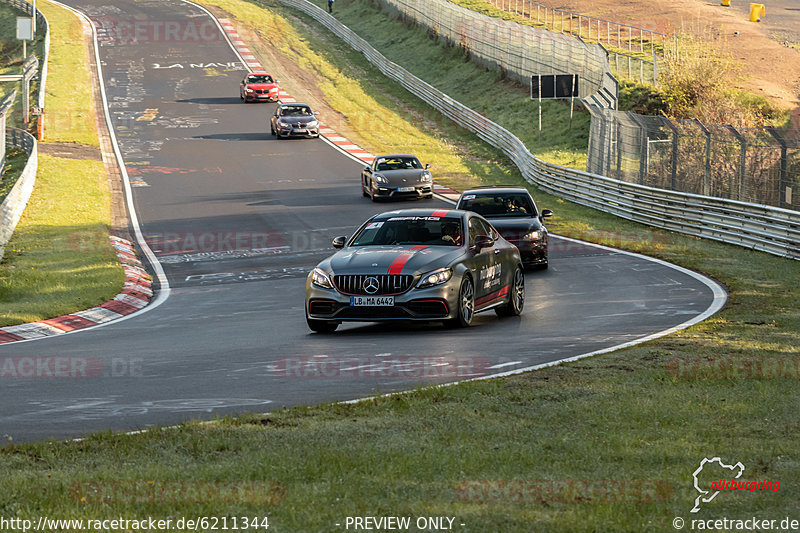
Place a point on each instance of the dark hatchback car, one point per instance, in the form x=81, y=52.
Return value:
x=512, y=211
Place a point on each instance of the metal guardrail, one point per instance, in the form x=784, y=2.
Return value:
x=14, y=204
x=42, y=26
x=764, y=228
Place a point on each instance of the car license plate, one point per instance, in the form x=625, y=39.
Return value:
x=405, y=189
x=376, y=301
x=300, y=130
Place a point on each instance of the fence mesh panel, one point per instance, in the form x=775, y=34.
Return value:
x=756, y=165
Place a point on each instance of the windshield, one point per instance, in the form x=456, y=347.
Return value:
x=498, y=205
x=397, y=163
x=411, y=230
x=296, y=111
x=259, y=79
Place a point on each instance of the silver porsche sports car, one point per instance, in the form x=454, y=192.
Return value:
x=396, y=176
x=416, y=264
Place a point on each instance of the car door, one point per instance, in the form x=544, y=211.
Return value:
x=483, y=262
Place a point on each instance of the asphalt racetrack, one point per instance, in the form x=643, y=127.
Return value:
x=237, y=219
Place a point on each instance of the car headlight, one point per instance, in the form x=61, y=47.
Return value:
x=532, y=236
x=273, y=90
x=321, y=279
x=427, y=177
x=380, y=179
x=312, y=123
x=282, y=122
x=248, y=90
x=437, y=277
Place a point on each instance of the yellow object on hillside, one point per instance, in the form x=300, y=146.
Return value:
x=726, y=3
x=756, y=12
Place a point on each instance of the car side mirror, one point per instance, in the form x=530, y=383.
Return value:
x=546, y=213
x=316, y=113
x=339, y=242
x=483, y=241
x=427, y=166
x=367, y=168
x=276, y=81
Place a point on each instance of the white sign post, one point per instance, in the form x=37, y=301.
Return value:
x=24, y=33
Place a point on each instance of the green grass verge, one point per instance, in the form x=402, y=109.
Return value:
x=69, y=106
x=55, y=263
x=15, y=163
x=58, y=260
x=622, y=417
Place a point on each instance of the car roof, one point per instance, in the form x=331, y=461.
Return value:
x=425, y=212
x=386, y=156
x=293, y=104
x=259, y=73
x=496, y=189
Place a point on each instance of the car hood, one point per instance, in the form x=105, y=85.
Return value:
x=414, y=260
x=400, y=177
x=516, y=227
x=298, y=120
x=262, y=85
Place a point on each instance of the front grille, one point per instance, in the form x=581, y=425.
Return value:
x=388, y=284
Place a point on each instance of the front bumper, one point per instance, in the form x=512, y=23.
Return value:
x=433, y=303
x=259, y=97
x=531, y=252
x=292, y=131
x=419, y=191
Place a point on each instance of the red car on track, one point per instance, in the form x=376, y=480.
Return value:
x=258, y=87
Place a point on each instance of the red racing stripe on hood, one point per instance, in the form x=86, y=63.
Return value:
x=397, y=265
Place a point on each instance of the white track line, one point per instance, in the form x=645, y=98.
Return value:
x=164, y=288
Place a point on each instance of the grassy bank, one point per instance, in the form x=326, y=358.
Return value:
x=48, y=269
x=632, y=423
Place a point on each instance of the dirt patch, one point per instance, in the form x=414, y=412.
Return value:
x=769, y=61
x=71, y=151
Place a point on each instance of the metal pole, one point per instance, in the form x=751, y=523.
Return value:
x=706, y=159
x=783, y=182
x=572, y=100
x=674, y=161
x=742, y=162
x=540, y=108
